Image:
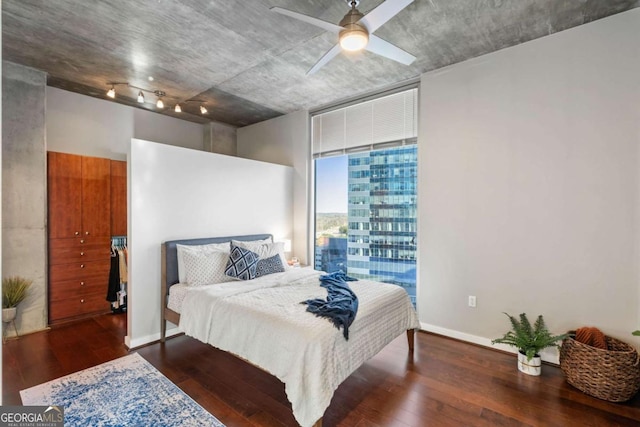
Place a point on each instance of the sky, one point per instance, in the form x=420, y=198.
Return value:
x=331, y=184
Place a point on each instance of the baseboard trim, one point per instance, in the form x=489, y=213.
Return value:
x=549, y=355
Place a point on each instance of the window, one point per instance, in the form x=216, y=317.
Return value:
x=365, y=191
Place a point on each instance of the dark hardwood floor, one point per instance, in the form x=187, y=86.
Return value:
x=444, y=383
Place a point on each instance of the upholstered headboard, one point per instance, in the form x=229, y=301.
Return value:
x=170, y=253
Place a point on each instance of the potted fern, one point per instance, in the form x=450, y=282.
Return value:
x=14, y=291
x=529, y=340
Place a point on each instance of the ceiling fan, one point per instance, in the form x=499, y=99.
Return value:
x=356, y=31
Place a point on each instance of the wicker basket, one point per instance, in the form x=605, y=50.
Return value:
x=612, y=375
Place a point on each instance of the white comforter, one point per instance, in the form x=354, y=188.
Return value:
x=263, y=322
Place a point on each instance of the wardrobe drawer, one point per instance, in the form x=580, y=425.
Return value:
x=77, y=288
x=78, y=306
x=80, y=270
x=79, y=253
x=79, y=241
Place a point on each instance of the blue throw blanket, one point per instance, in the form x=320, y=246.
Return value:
x=341, y=305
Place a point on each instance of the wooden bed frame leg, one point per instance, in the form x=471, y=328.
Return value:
x=410, y=336
x=318, y=423
x=163, y=329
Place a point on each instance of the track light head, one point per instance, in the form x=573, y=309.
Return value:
x=159, y=94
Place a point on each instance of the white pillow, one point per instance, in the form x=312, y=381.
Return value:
x=205, y=268
x=265, y=250
x=251, y=244
x=197, y=248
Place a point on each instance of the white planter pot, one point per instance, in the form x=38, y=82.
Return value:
x=9, y=314
x=529, y=367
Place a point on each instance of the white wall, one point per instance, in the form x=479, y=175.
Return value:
x=167, y=130
x=177, y=193
x=83, y=125
x=285, y=140
x=529, y=185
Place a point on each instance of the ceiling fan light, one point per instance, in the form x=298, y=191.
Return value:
x=159, y=103
x=177, y=108
x=111, y=93
x=355, y=36
x=353, y=40
x=203, y=110
x=141, y=97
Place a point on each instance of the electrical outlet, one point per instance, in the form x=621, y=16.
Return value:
x=472, y=301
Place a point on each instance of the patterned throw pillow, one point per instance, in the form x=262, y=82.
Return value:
x=265, y=250
x=198, y=249
x=269, y=266
x=242, y=263
x=205, y=268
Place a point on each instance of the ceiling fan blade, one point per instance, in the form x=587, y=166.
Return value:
x=332, y=53
x=386, y=49
x=381, y=14
x=309, y=19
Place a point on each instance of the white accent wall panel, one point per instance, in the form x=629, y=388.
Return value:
x=530, y=185
x=179, y=193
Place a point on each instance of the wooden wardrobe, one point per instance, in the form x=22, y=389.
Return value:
x=85, y=206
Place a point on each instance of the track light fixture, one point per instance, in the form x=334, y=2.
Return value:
x=111, y=93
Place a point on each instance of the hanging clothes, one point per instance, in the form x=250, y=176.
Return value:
x=122, y=294
x=114, y=277
x=117, y=290
x=122, y=265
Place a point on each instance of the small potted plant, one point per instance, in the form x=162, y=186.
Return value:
x=14, y=291
x=529, y=340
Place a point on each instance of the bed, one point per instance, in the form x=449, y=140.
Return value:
x=307, y=353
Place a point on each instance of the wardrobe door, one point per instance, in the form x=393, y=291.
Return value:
x=118, y=198
x=96, y=196
x=64, y=177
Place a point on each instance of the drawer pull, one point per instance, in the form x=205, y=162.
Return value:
x=81, y=301
x=81, y=253
x=81, y=283
x=81, y=265
x=81, y=240
x=86, y=232
x=77, y=233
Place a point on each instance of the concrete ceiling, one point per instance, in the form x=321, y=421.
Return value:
x=246, y=63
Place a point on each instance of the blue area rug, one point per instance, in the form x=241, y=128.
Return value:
x=127, y=391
